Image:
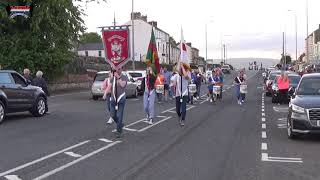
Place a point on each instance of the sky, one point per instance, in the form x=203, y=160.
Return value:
x=249, y=28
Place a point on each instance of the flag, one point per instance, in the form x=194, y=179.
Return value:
x=152, y=58
x=184, y=58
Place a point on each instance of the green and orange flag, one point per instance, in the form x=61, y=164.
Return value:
x=152, y=58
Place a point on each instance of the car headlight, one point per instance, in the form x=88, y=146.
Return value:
x=297, y=109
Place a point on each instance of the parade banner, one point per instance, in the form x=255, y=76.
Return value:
x=25, y=11
x=116, y=46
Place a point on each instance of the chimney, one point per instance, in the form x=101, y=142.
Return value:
x=144, y=18
x=153, y=23
x=135, y=15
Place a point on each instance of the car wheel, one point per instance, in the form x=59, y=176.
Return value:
x=291, y=135
x=95, y=98
x=2, y=112
x=39, y=108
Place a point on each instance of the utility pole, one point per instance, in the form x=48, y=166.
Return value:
x=224, y=54
x=132, y=20
x=206, y=46
x=307, y=44
x=114, y=19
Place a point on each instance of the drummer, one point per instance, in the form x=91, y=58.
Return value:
x=213, y=81
x=240, y=79
x=149, y=94
x=160, y=86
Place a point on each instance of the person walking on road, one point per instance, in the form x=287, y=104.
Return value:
x=182, y=93
x=149, y=94
x=167, y=76
x=198, y=83
x=106, y=87
x=40, y=82
x=283, y=84
x=160, y=83
x=238, y=81
x=118, y=99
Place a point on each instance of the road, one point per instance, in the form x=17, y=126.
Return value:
x=222, y=141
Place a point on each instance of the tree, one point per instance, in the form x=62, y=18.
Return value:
x=91, y=37
x=285, y=59
x=44, y=41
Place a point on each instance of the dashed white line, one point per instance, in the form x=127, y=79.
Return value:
x=262, y=110
x=41, y=159
x=263, y=114
x=105, y=140
x=12, y=177
x=264, y=135
x=264, y=146
x=50, y=173
x=72, y=154
x=263, y=126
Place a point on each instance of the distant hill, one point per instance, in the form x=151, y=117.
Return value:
x=244, y=62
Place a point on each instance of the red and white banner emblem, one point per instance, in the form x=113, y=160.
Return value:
x=116, y=46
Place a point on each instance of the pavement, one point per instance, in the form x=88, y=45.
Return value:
x=220, y=141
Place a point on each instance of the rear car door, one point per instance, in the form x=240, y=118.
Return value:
x=7, y=85
x=24, y=93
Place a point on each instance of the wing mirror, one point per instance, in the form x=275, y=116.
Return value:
x=291, y=92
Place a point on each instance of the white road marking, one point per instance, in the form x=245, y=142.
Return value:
x=154, y=124
x=12, y=177
x=136, y=99
x=264, y=146
x=105, y=140
x=264, y=135
x=203, y=101
x=280, y=109
x=265, y=157
x=282, y=126
x=127, y=129
x=263, y=119
x=61, y=95
x=168, y=110
x=262, y=106
x=262, y=110
x=41, y=159
x=264, y=126
x=190, y=107
x=50, y=173
x=282, y=119
x=72, y=154
x=136, y=122
x=263, y=114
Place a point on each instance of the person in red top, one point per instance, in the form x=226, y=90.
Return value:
x=160, y=82
x=283, y=85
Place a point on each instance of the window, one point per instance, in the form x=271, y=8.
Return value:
x=86, y=52
x=5, y=78
x=99, y=53
x=18, y=79
x=101, y=76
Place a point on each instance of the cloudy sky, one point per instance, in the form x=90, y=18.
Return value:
x=250, y=28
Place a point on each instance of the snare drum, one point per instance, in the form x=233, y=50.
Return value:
x=192, y=88
x=216, y=89
x=160, y=89
x=243, y=89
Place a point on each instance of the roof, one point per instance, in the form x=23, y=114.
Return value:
x=7, y=71
x=90, y=46
x=311, y=75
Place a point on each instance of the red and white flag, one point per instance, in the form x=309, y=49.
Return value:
x=184, y=57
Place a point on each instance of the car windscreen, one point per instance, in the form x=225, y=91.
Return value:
x=101, y=76
x=273, y=76
x=135, y=74
x=294, y=79
x=309, y=86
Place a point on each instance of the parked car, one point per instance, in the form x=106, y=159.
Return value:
x=268, y=85
x=226, y=69
x=96, y=89
x=304, y=107
x=17, y=95
x=294, y=80
x=138, y=78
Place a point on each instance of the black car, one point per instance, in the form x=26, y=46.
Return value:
x=304, y=107
x=294, y=80
x=16, y=95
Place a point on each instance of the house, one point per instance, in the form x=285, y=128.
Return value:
x=91, y=49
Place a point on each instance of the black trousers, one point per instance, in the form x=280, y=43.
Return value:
x=283, y=96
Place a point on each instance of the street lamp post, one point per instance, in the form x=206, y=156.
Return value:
x=307, y=14
x=296, y=31
x=133, y=51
